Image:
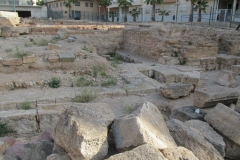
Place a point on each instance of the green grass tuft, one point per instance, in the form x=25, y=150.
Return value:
x=111, y=81
x=5, y=129
x=85, y=96
x=26, y=105
x=82, y=82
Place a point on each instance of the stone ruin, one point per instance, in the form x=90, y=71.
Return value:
x=182, y=84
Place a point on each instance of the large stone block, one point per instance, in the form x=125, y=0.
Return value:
x=178, y=153
x=28, y=59
x=232, y=150
x=82, y=131
x=144, y=125
x=12, y=62
x=227, y=78
x=226, y=121
x=236, y=69
x=9, y=18
x=176, y=90
x=20, y=30
x=208, y=97
x=2, y=147
x=209, y=134
x=142, y=152
x=191, y=139
x=37, y=150
x=187, y=113
x=52, y=58
x=52, y=46
x=67, y=57
x=6, y=31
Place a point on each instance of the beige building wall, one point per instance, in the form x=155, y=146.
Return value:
x=87, y=8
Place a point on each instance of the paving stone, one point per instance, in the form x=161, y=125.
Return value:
x=67, y=57
x=176, y=90
x=28, y=59
x=52, y=58
x=12, y=62
x=52, y=46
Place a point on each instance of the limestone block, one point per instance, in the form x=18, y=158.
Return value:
x=178, y=153
x=209, y=134
x=37, y=150
x=226, y=62
x=52, y=58
x=9, y=18
x=28, y=59
x=82, y=131
x=176, y=90
x=195, y=62
x=12, y=62
x=142, y=152
x=2, y=147
x=232, y=149
x=187, y=113
x=208, y=97
x=226, y=121
x=67, y=57
x=6, y=31
x=144, y=125
x=172, y=41
x=20, y=30
x=208, y=63
x=191, y=139
x=227, y=78
x=52, y=46
x=15, y=34
x=236, y=69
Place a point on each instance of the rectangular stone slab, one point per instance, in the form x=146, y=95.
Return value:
x=211, y=96
x=67, y=57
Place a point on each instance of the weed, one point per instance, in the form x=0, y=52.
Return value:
x=128, y=109
x=175, y=54
x=26, y=105
x=84, y=57
x=31, y=40
x=114, y=64
x=82, y=82
x=85, y=48
x=103, y=73
x=42, y=42
x=111, y=81
x=20, y=52
x=12, y=88
x=112, y=54
x=95, y=70
x=86, y=95
x=54, y=82
x=8, y=50
x=190, y=43
x=28, y=44
x=5, y=129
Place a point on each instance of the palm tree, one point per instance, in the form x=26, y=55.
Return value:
x=112, y=15
x=164, y=13
x=191, y=9
x=134, y=13
x=201, y=6
x=105, y=3
x=68, y=4
x=125, y=3
x=153, y=3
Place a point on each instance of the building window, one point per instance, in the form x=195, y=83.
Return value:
x=86, y=4
x=147, y=11
x=53, y=6
x=91, y=4
x=49, y=5
x=12, y=2
x=65, y=12
x=60, y=4
x=157, y=10
x=56, y=5
x=77, y=4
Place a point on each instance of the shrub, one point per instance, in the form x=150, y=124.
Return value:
x=111, y=81
x=26, y=105
x=20, y=52
x=175, y=54
x=95, y=70
x=54, y=82
x=42, y=42
x=28, y=44
x=5, y=129
x=189, y=42
x=86, y=95
x=81, y=82
x=8, y=50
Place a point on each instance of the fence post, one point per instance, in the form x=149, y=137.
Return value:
x=210, y=16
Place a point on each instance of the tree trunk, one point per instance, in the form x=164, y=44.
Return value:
x=125, y=10
x=199, y=15
x=162, y=18
x=191, y=13
x=153, y=14
x=105, y=12
x=134, y=18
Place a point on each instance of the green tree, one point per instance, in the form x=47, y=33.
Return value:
x=201, y=5
x=134, y=13
x=68, y=4
x=164, y=13
x=191, y=9
x=40, y=3
x=153, y=3
x=125, y=4
x=112, y=15
x=105, y=3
